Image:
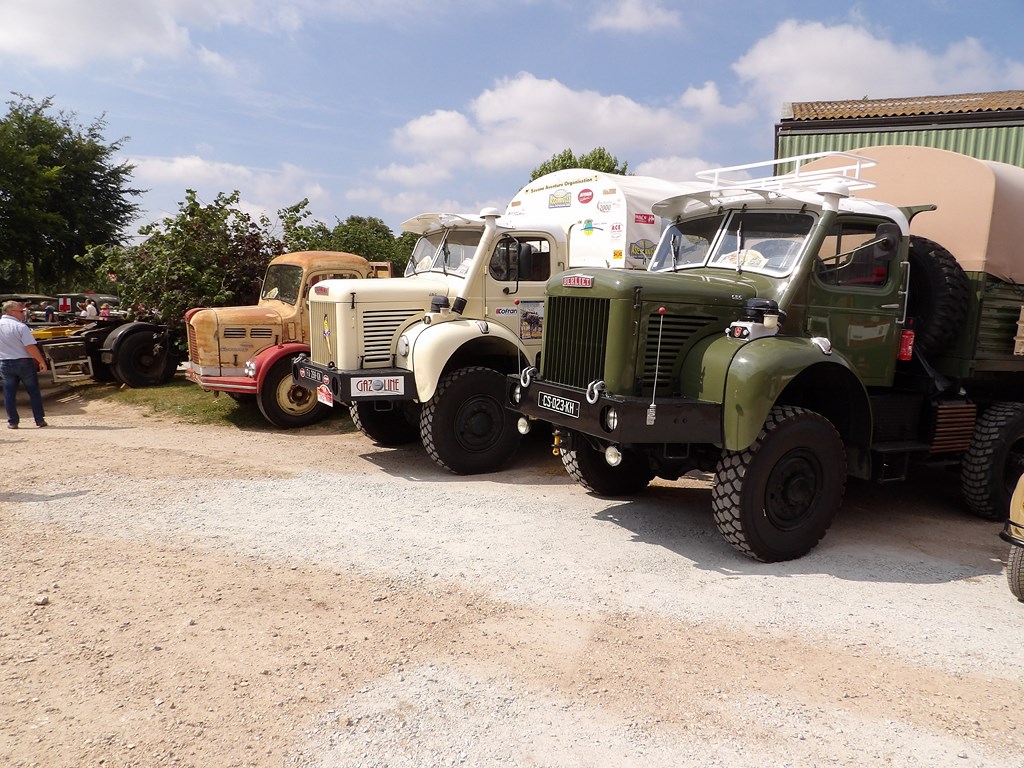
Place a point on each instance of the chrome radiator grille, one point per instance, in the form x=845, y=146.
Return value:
x=323, y=331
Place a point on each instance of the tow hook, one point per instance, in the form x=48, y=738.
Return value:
x=556, y=447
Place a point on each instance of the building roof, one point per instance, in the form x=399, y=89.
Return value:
x=963, y=103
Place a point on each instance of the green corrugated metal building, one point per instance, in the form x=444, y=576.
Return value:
x=988, y=126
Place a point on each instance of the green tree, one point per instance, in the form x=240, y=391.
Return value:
x=208, y=255
x=62, y=190
x=369, y=237
x=597, y=159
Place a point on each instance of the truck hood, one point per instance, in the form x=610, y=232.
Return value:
x=247, y=316
x=705, y=287
x=416, y=290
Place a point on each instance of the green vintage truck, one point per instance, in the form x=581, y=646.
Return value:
x=847, y=319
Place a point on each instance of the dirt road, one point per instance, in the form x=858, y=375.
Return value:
x=207, y=596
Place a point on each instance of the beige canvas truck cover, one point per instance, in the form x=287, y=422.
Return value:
x=980, y=216
x=608, y=218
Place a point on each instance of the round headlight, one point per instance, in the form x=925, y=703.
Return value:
x=523, y=425
x=613, y=456
x=403, y=345
x=611, y=420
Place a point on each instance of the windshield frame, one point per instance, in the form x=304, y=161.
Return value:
x=277, y=288
x=452, y=255
x=731, y=248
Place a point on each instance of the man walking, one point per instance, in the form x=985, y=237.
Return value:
x=20, y=361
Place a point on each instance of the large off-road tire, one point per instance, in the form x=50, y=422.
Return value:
x=465, y=427
x=776, y=499
x=144, y=359
x=994, y=461
x=937, y=298
x=588, y=467
x=394, y=425
x=284, y=403
x=1015, y=571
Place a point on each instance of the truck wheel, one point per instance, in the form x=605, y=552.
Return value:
x=397, y=425
x=143, y=360
x=937, y=300
x=776, y=499
x=587, y=467
x=465, y=427
x=284, y=403
x=101, y=371
x=994, y=461
x=1015, y=571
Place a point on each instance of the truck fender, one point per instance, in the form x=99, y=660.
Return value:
x=752, y=377
x=113, y=340
x=433, y=346
x=266, y=358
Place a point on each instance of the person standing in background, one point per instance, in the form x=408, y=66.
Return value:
x=20, y=363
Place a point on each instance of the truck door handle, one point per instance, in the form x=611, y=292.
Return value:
x=890, y=306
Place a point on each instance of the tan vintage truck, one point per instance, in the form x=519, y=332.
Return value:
x=247, y=351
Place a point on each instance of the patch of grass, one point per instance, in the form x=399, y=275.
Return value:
x=184, y=402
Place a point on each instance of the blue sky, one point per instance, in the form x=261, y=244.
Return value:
x=391, y=108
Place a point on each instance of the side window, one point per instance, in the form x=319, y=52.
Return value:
x=845, y=259
x=522, y=258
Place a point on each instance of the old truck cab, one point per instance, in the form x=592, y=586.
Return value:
x=247, y=351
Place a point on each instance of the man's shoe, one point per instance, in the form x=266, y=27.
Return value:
x=42, y=423
x=11, y=425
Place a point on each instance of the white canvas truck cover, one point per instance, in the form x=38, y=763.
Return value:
x=608, y=218
x=980, y=216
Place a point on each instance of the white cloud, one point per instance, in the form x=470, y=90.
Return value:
x=708, y=102
x=809, y=61
x=634, y=16
x=523, y=120
x=261, y=190
x=672, y=168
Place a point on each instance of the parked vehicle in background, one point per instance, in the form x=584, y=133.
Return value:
x=247, y=351
x=792, y=331
x=425, y=358
x=1013, y=532
x=139, y=353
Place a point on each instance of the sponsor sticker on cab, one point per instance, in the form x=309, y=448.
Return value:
x=643, y=218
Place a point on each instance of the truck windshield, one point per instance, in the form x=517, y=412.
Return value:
x=448, y=251
x=282, y=283
x=761, y=241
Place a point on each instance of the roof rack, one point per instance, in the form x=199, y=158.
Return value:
x=798, y=180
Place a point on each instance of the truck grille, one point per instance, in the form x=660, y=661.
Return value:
x=576, y=330
x=323, y=331
x=193, y=343
x=675, y=332
x=379, y=329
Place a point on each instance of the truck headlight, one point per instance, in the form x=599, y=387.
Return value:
x=250, y=368
x=611, y=419
x=403, y=345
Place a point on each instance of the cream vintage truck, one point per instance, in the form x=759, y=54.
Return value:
x=425, y=357
x=247, y=351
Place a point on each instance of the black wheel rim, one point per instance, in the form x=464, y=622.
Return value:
x=792, y=489
x=478, y=423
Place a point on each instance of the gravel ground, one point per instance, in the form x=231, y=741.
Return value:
x=209, y=596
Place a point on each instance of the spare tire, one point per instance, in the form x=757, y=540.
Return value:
x=937, y=299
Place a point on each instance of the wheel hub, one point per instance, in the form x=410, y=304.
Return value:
x=791, y=491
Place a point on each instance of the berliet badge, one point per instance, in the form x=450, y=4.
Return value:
x=327, y=329
x=577, y=281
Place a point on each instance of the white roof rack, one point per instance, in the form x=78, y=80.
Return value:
x=798, y=180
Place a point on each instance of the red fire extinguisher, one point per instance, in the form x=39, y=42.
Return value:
x=907, y=341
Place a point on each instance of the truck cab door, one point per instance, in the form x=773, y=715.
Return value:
x=514, y=285
x=855, y=300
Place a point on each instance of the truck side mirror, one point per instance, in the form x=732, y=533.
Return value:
x=887, y=240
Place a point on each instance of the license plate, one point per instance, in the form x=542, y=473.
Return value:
x=323, y=395
x=309, y=374
x=562, y=405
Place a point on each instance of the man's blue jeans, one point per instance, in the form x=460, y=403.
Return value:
x=23, y=372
